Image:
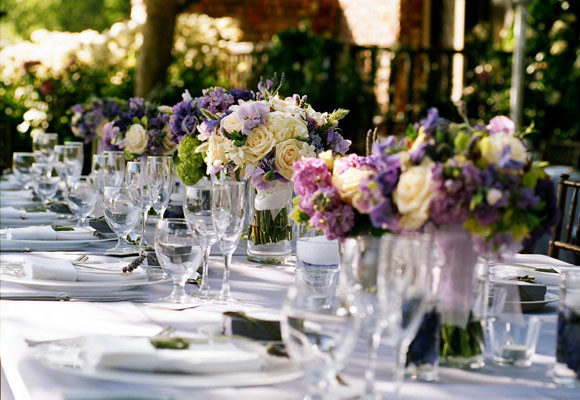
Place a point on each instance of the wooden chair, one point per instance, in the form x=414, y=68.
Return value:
x=568, y=242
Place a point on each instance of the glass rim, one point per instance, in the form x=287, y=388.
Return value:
x=167, y=221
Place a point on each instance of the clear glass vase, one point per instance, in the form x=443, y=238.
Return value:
x=269, y=226
x=464, y=292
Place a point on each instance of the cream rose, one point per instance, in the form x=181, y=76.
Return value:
x=290, y=151
x=101, y=129
x=136, y=139
x=216, y=151
x=347, y=183
x=231, y=123
x=493, y=149
x=287, y=106
x=168, y=145
x=413, y=196
x=259, y=143
x=286, y=126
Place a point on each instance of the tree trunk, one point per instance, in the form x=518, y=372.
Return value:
x=155, y=53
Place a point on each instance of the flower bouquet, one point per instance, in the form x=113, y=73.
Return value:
x=475, y=187
x=259, y=137
x=140, y=131
x=89, y=119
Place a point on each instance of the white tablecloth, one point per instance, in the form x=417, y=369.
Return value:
x=262, y=288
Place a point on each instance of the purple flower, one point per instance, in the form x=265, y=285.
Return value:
x=252, y=115
x=384, y=216
x=265, y=174
x=241, y=94
x=110, y=133
x=432, y=121
x=356, y=161
x=185, y=120
x=309, y=174
x=335, y=224
x=506, y=161
x=215, y=100
x=337, y=143
x=501, y=124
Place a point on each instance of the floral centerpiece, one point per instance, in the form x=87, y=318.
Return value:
x=259, y=137
x=143, y=130
x=89, y=119
x=476, y=187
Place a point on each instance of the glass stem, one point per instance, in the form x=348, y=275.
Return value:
x=143, y=242
x=178, y=292
x=204, y=274
x=225, y=293
x=400, y=358
x=373, y=343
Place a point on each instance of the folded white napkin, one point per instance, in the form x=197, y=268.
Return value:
x=48, y=233
x=138, y=354
x=10, y=185
x=39, y=268
x=14, y=213
x=16, y=194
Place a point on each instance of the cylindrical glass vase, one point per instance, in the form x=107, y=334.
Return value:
x=269, y=226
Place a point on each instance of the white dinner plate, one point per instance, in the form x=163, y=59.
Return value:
x=506, y=271
x=68, y=356
x=39, y=245
x=20, y=222
x=538, y=305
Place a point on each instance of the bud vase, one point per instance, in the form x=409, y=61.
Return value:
x=464, y=291
x=269, y=227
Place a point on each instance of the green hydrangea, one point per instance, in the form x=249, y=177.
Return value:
x=190, y=167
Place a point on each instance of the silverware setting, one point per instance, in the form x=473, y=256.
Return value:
x=72, y=297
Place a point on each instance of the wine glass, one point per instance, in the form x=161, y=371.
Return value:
x=359, y=260
x=122, y=211
x=21, y=165
x=74, y=158
x=320, y=336
x=114, y=167
x=45, y=183
x=160, y=175
x=136, y=179
x=228, y=205
x=403, y=287
x=179, y=253
x=81, y=196
x=197, y=210
x=98, y=169
x=43, y=147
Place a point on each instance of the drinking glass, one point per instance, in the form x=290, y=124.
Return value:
x=59, y=164
x=43, y=147
x=81, y=196
x=114, y=167
x=403, y=287
x=74, y=158
x=98, y=169
x=136, y=180
x=122, y=211
x=160, y=175
x=21, y=165
x=179, y=253
x=320, y=336
x=567, y=368
x=45, y=183
x=198, y=212
x=360, y=259
x=228, y=205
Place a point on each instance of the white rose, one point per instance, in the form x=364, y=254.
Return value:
x=169, y=146
x=413, y=196
x=259, y=143
x=287, y=106
x=288, y=152
x=136, y=139
x=165, y=109
x=348, y=182
x=286, y=126
x=493, y=196
x=217, y=150
x=101, y=129
x=498, y=142
x=231, y=123
x=320, y=118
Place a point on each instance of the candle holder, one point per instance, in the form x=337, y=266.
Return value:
x=513, y=339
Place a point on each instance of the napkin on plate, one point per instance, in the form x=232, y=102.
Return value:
x=63, y=270
x=138, y=354
x=48, y=233
x=14, y=213
x=10, y=185
x=16, y=195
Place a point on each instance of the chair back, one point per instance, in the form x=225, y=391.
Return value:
x=564, y=239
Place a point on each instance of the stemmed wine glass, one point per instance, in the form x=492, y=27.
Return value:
x=114, y=167
x=21, y=165
x=45, y=183
x=136, y=180
x=403, y=285
x=43, y=147
x=73, y=158
x=228, y=205
x=359, y=260
x=179, y=253
x=160, y=176
x=320, y=335
x=98, y=170
x=198, y=212
x=81, y=196
x=122, y=210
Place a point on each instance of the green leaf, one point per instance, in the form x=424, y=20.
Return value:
x=238, y=138
x=170, y=343
x=36, y=209
x=62, y=228
x=209, y=115
x=411, y=132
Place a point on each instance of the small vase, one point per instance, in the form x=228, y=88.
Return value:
x=269, y=227
x=464, y=291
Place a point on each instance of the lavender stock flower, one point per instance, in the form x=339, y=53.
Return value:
x=185, y=120
x=252, y=115
x=216, y=100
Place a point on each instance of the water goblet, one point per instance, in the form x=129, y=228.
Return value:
x=179, y=253
x=98, y=169
x=403, y=287
x=21, y=165
x=45, y=183
x=197, y=210
x=114, y=167
x=228, y=205
x=43, y=147
x=122, y=211
x=160, y=175
x=320, y=337
x=81, y=196
x=136, y=179
x=74, y=158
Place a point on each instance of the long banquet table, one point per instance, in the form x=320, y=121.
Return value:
x=262, y=289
